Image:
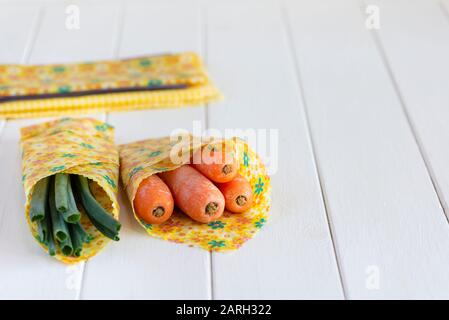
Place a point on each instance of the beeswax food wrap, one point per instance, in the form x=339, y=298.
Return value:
x=75, y=146
x=163, y=81
x=142, y=159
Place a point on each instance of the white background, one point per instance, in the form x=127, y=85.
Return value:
x=360, y=197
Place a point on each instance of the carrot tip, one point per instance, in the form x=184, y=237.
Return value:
x=211, y=208
x=227, y=169
x=241, y=200
x=158, y=212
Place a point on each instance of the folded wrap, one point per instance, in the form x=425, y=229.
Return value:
x=163, y=81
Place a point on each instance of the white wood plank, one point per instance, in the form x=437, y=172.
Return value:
x=292, y=257
x=142, y=267
x=18, y=42
x=421, y=76
x=94, y=40
x=15, y=51
x=14, y=44
x=385, y=212
x=28, y=271
x=14, y=235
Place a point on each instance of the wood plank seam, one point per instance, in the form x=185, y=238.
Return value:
x=33, y=34
x=444, y=5
x=115, y=55
x=119, y=29
x=203, y=46
x=78, y=295
x=2, y=126
x=292, y=53
x=427, y=163
x=118, y=38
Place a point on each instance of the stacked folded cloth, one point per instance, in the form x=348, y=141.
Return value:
x=162, y=81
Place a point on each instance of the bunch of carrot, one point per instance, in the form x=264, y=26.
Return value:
x=201, y=189
x=54, y=207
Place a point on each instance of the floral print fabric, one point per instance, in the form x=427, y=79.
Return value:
x=141, y=159
x=132, y=84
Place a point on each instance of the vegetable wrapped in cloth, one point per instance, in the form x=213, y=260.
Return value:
x=72, y=155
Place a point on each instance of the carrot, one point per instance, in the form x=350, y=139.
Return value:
x=237, y=193
x=153, y=201
x=194, y=194
x=216, y=163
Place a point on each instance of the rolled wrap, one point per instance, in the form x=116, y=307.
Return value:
x=75, y=146
x=139, y=160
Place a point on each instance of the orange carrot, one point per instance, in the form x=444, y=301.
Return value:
x=237, y=193
x=216, y=163
x=194, y=194
x=153, y=201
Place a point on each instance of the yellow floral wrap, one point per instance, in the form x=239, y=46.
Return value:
x=75, y=146
x=163, y=81
x=142, y=159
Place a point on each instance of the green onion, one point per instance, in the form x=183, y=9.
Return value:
x=105, y=231
x=77, y=241
x=85, y=237
x=72, y=214
x=99, y=217
x=61, y=195
x=60, y=230
x=66, y=246
x=42, y=230
x=49, y=237
x=39, y=200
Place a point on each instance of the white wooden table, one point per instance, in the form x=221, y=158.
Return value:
x=360, y=199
